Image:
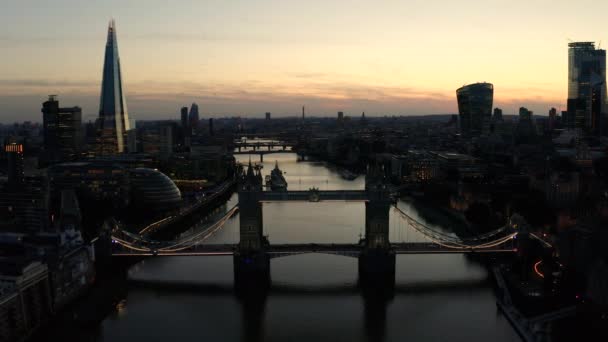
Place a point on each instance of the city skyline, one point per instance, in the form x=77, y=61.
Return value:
x=254, y=59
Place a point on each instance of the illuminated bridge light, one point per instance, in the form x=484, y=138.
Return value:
x=536, y=269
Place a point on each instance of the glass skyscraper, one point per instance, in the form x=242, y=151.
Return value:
x=113, y=114
x=475, y=107
x=586, y=86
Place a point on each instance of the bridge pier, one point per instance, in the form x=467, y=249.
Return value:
x=377, y=260
x=261, y=157
x=251, y=272
x=377, y=271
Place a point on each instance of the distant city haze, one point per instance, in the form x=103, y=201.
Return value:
x=250, y=57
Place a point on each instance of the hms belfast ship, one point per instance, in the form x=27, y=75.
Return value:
x=275, y=181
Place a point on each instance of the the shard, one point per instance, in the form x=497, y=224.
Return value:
x=113, y=114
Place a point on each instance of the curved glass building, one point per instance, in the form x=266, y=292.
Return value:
x=153, y=190
x=475, y=107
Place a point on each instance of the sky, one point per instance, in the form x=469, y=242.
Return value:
x=247, y=57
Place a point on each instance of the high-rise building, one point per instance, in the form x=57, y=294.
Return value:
x=184, y=117
x=525, y=114
x=525, y=126
x=475, y=107
x=211, y=133
x=62, y=131
x=113, y=113
x=340, y=117
x=14, y=154
x=25, y=208
x=267, y=115
x=552, y=118
x=497, y=115
x=166, y=142
x=586, y=86
x=194, y=118
x=186, y=129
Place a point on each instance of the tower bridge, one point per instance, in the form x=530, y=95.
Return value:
x=375, y=253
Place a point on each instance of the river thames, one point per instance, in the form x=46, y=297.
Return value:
x=313, y=297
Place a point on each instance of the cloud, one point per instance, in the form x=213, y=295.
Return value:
x=46, y=83
x=153, y=99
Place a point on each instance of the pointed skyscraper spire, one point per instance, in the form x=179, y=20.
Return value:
x=113, y=113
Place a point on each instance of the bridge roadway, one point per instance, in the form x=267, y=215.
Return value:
x=281, y=250
x=314, y=195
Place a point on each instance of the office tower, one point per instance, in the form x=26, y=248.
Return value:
x=62, y=131
x=211, y=133
x=267, y=115
x=525, y=126
x=303, y=113
x=14, y=154
x=475, y=107
x=497, y=115
x=186, y=129
x=552, y=118
x=166, y=142
x=525, y=114
x=132, y=140
x=586, y=86
x=25, y=208
x=184, y=117
x=194, y=118
x=340, y=117
x=113, y=113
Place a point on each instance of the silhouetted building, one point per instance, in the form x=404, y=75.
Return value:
x=166, y=142
x=586, y=86
x=25, y=298
x=475, y=107
x=93, y=182
x=211, y=133
x=62, y=131
x=194, y=116
x=340, y=117
x=14, y=155
x=186, y=129
x=267, y=115
x=525, y=126
x=184, y=117
x=113, y=113
x=25, y=208
x=497, y=115
x=552, y=118
x=132, y=141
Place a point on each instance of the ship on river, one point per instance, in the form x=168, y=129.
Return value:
x=275, y=181
x=346, y=174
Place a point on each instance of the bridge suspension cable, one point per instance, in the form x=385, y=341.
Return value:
x=449, y=241
x=141, y=244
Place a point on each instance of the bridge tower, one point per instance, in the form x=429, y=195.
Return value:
x=377, y=260
x=251, y=262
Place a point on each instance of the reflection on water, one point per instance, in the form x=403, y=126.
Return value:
x=313, y=297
